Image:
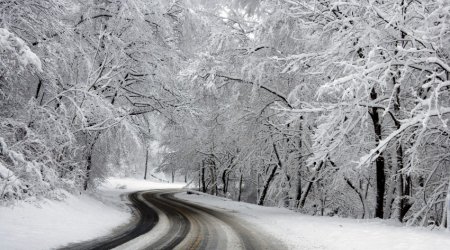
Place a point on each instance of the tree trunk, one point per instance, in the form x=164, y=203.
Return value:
x=225, y=182
x=299, y=189
x=286, y=198
x=266, y=185
x=240, y=188
x=379, y=162
x=360, y=195
x=200, y=179
x=404, y=179
x=146, y=164
x=405, y=188
x=309, y=186
x=203, y=177
x=213, y=174
x=444, y=215
x=89, y=161
x=88, y=171
x=405, y=191
x=391, y=189
x=173, y=174
x=258, y=191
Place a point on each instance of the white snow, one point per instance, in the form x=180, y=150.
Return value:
x=10, y=42
x=310, y=232
x=50, y=224
x=53, y=223
x=131, y=185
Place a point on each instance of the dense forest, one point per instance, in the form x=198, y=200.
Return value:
x=326, y=107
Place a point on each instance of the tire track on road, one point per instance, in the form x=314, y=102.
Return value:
x=179, y=224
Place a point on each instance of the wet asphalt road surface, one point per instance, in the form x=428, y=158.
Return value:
x=165, y=222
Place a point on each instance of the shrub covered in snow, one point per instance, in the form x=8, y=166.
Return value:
x=37, y=156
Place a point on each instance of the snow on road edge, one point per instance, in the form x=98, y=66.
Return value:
x=300, y=231
x=49, y=224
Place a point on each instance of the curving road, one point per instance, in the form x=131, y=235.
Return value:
x=165, y=222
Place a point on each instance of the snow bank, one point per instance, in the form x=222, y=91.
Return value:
x=130, y=184
x=308, y=232
x=77, y=218
x=51, y=224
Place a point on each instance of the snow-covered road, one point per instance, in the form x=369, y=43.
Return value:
x=170, y=223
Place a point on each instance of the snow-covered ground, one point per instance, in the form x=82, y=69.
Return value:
x=309, y=232
x=49, y=224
